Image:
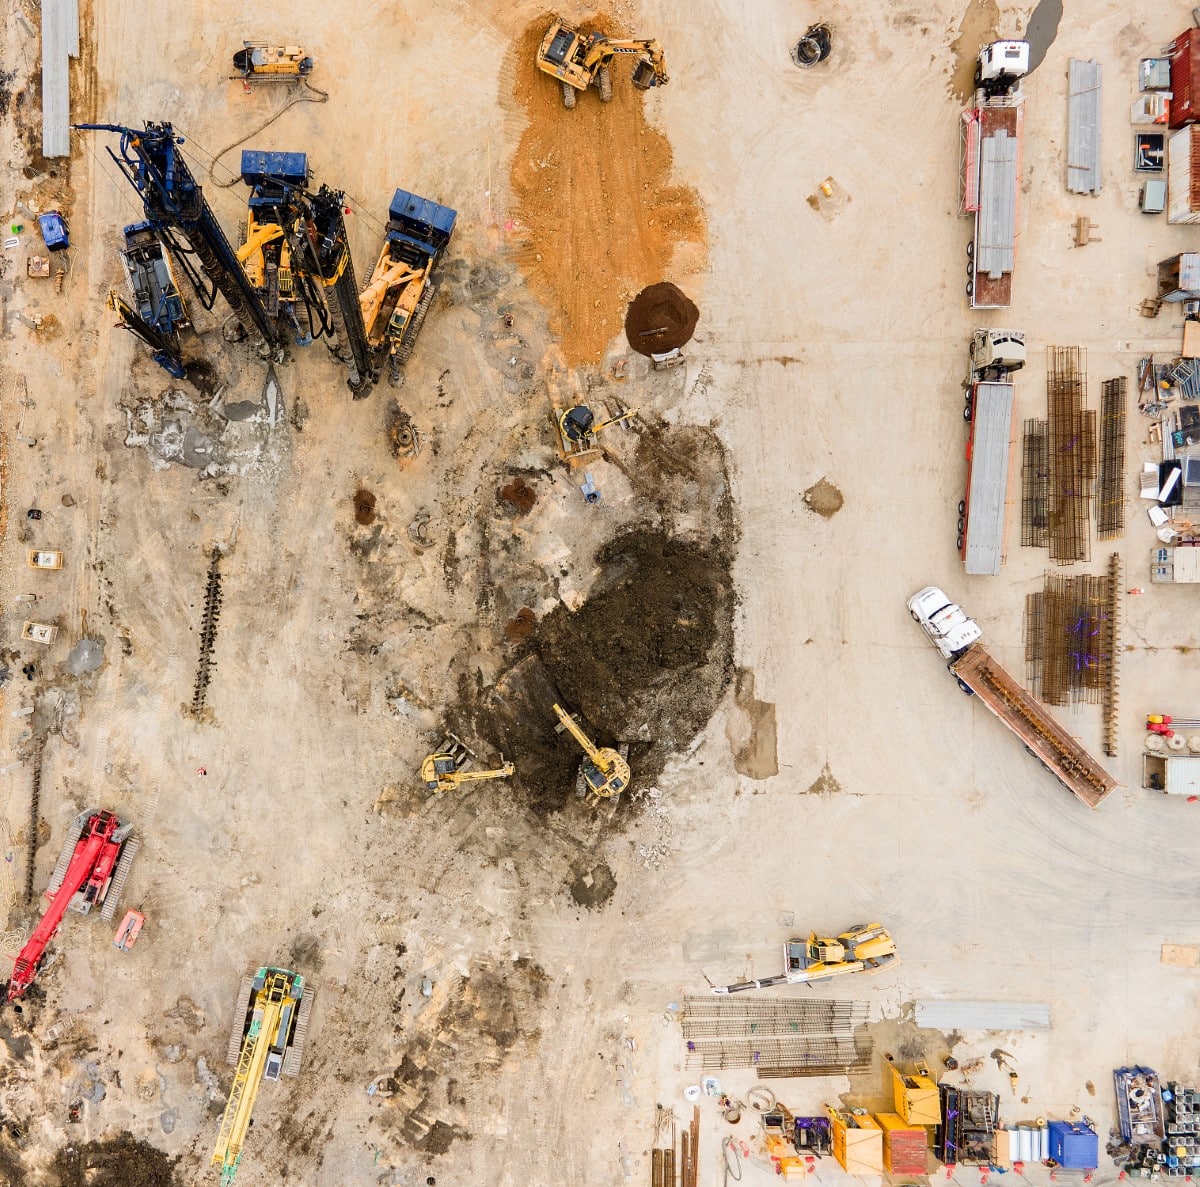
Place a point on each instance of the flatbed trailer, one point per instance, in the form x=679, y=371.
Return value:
x=991, y=175
x=1044, y=736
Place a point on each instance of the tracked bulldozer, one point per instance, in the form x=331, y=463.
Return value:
x=579, y=59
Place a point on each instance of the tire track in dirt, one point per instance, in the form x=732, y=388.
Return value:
x=598, y=217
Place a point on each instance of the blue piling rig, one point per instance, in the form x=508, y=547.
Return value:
x=175, y=206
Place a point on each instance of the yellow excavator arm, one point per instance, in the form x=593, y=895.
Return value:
x=439, y=773
x=371, y=298
x=573, y=729
x=605, y=771
x=651, y=68
x=262, y=234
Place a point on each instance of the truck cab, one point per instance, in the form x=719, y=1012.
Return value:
x=1001, y=64
x=996, y=353
x=944, y=622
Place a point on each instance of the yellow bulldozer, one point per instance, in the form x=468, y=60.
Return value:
x=579, y=60
x=864, y=947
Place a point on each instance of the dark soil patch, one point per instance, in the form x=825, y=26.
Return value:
x=6, y=81
x=364, y=507
x=519, y=495
x=659, y=319
x=824, y=498
x=117, y=1162
x=520, y=627
x=201, y=376
x=439, y=1139
x=592, y=887
x=644, y=661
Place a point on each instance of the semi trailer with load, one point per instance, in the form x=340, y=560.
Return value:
x=978, y=673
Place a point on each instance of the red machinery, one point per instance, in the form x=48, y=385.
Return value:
x=90, y=872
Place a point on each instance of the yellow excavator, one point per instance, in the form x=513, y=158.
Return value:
x=862, y=948
x=580, y=60
x=605, y=773
x=269, y=1027
x=442, y=772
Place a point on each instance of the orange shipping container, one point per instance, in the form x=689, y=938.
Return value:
x=905, y=1146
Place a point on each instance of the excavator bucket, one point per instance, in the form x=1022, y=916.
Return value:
x=644, y=76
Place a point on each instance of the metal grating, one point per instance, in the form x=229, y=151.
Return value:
x=1035, y=484
x=1110, y=502
x=1083, y=127
x=1072, y=454
x=1069, y=639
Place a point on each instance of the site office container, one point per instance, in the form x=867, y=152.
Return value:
x=1185, y=77
x=1183, y=175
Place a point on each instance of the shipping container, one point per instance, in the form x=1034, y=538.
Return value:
x=1183, y=175
x=1185, y=77
x=905, y=1146
x=857, y=1143
x=1074, y=1145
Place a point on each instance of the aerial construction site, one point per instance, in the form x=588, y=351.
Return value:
x=521, y=666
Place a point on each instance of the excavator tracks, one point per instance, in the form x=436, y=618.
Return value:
x=74, y=832
x=237, y=1030
x=405, y=349
x=295, y=1053
x=128, y=853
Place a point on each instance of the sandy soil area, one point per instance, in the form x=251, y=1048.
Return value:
x=805, y=760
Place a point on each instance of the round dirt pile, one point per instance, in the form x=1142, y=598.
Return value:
x=599, y=220
x=660, y=318
x=364, y=507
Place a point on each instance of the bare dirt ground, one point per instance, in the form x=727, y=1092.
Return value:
x=732, y=608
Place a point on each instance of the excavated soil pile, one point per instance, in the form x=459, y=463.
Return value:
x=599, y=219
x=660, y=318
x=645, y=660
x=117, y=1162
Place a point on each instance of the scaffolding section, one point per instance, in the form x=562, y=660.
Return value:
x=1072, y=432
x=1069, y=639
x=1035, y=484
x=1110, y=502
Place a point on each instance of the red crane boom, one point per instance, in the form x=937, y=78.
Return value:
x=90, y=871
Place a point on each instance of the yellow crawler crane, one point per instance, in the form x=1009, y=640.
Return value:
x=605, y=773
x=267, y=1040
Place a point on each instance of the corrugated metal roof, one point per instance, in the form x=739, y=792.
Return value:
x=995, y=248
x=987, y=501
x=1083, y=127
x=934, y=1014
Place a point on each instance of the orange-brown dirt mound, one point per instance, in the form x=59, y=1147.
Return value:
x=600, y=219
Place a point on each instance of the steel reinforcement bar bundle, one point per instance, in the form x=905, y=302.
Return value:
x=208, y=633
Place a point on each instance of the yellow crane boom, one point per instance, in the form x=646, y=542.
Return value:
x=276, y=994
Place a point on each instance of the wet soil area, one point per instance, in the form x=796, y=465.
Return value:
x=592, y=886
x=978, y=26
x=364, y=507
x=660, y=318
x=824, y=498
x=116, y=1162
x=518, y=495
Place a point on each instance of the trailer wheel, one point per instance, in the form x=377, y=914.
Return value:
x=970, y=267
x=970, y=288
x=958, y=543
x=965, y=686
x=968, y=411
x=962, y=506
x=961, y=524
x=970, y=248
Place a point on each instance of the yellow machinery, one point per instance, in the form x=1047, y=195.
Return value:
x=442, y=772
x=916, y=1096
x=44, y=559
x=865, y=947
x=580, y=60
x=390, y=299
x=257, y=61
x=605, y=773
x=267, y=261
x=269, y=1027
